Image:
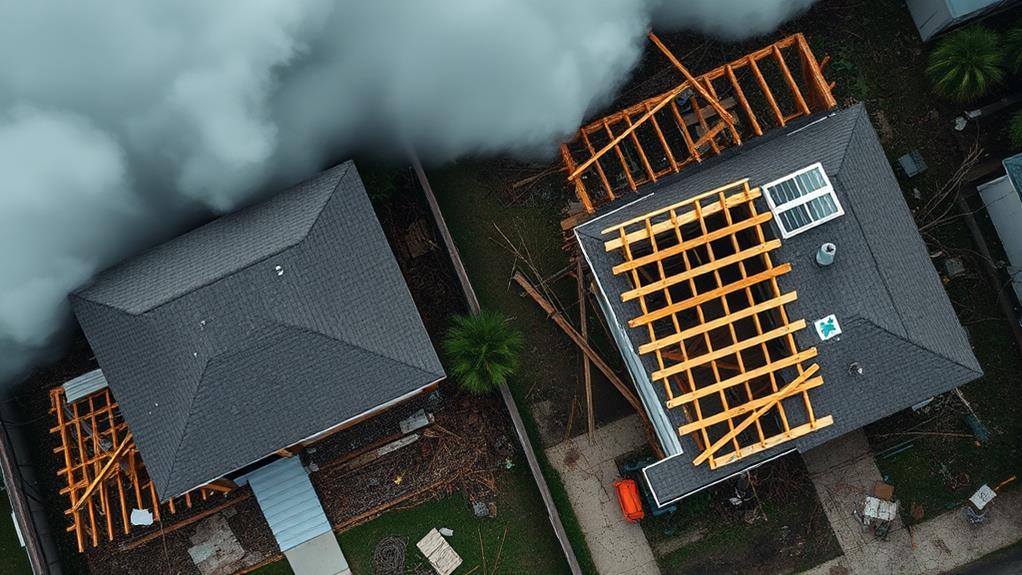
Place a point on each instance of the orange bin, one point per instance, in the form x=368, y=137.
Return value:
x=628, y=497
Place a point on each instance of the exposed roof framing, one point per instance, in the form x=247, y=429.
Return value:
x=698, y=118
x=105, y=477
x=702, y=273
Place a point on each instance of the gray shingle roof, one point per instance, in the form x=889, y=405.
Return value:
x=897, y=321
x=256, y=331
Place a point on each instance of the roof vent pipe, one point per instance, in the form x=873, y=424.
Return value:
x=825, y=255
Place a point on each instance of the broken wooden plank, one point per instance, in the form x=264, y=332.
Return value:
x=575, y=337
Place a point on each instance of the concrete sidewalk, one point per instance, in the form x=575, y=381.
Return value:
x=844, y=470
x=588, y=471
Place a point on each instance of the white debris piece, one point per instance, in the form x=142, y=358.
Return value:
x=446, y=532
x=416, y=421
x=439, y=552
x=982, y=497
x=141, y=517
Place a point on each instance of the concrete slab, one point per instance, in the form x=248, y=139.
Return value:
x=318, y=556
x=216, y=551
x=843, y=470
x=588, y=472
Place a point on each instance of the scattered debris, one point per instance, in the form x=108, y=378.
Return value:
x=912, y=164
x=954, y=267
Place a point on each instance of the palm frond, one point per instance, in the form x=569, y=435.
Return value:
x=1013, y=48
x=482, y=350
x=966, y=64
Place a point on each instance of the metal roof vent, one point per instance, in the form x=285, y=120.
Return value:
x=825, y=255
x=854, y=368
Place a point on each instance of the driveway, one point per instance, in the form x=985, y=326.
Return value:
x=844, y=469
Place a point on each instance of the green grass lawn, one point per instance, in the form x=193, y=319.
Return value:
x=548, y=365
x=528, y=546
x=13, y=560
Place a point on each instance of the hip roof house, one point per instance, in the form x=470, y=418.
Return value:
x=264, y=329
x=773, y=298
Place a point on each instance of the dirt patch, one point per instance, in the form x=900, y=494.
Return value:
x=780, y=527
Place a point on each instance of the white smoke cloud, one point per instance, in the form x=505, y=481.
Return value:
x=118, y=121
x=729, y=19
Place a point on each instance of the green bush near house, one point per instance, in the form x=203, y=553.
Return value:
x=966, y=64
x=483, y=350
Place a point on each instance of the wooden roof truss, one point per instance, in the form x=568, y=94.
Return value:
x=702, y=273
x=103, y=473
x=698, y=118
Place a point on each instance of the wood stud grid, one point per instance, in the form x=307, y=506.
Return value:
x=104, y=474
x=664, y=134
x=726, y=387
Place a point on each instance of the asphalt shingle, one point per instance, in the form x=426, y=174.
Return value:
x=256, y=331
x=897, y=321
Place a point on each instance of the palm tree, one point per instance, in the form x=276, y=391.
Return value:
x=966, y=64
x=1013, y=48
x=482, y=350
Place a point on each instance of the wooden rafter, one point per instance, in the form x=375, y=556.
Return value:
x=658, y=131
x=104, y=475
x=703, y=278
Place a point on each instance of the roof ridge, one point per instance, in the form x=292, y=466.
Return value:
x=861, y=112
x=229, y=272
x=354, y=345
x=184, y=428
x=917, y=344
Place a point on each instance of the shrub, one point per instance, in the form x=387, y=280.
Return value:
x=966, y=64
x=482, y=350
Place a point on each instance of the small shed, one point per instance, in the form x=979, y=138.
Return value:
x=935, y=16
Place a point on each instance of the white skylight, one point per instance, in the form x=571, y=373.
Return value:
x=802, y=200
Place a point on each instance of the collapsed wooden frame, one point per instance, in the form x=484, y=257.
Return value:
x=698, y=118
x=104, y=474
x=702, y=274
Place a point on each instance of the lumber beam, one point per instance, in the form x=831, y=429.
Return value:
x=577, y=338
x=724, y=321
x=700, y=270
x=731, y=349
x=749, y=406
x=726, y=438
x=616, y=139
x=733, y=79
x=682, y=219
x=794, y=433
x=583, y=324
x=724, y=114
x=686, y=245
x=580, y=189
